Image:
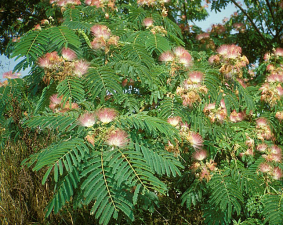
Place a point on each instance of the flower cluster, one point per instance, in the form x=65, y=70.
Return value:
x=87, y=119
x=203, y=170
x=117, y=138
x=56, y=104
x=240, y=27
x=11, y=75
x=148, y=22
x=44, y=23
x=237, y=117
x=173, y=148
x=112, y=136
x=272, y=89
x=279, y=115
x=205, y=41
x=218, y=29
x=272, y=155
x=231, y=60
x=202, y=36
x=179, y=55
x=216, y=114
x=251, y=145
x=263, y=129
x=103, y=38
x=189, y=137
x=63, y=3
x=192, y=88
x=152, y=2
x=106, y=115
x=59, y=67
x=101, y=3
x=158, y=30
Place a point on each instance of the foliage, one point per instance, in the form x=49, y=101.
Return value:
x=125, y=118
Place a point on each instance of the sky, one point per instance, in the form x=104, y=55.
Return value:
x=214, y=18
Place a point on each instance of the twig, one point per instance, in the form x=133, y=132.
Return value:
x=252, y=22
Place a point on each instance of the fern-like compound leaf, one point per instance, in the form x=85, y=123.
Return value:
x=273, y=208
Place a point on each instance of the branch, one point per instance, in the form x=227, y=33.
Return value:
x=251, y=20
x=185, y=12
x=270, y=9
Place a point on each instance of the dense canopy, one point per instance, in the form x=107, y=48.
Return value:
x=131, y=114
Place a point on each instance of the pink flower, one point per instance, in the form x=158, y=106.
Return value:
x=239, y=27
x=87, y=119
x=270, y=67
x=200, y=155
x=183, y=56
x=54, y=101
x=276, y=157
x=233, y=116
x=185, y=59
x=195, y=140
x=264, y=167
x=249, y=152
x=277, y=173
x=106, y=115
x=230, y=51
x=44, y=62
x=118, y=138
x=196, y=77
x=68, y=54
x=278, y=52
x=174, y=121
x=179, y=51
x=81, y=68
x=241, y=116
x=205, y=174
x=279, y=115
x=98, y=43
x=221, y=115
x=101, y=31
x=44, y=22
x=223, y=49
x=237, y=117
x=274, y=78
x=52, y=56
x=148, y=22
x=275, y=149
x=202, y=36
x=222, y=104
x=166, y=57
x=37, y=27
x=96, y=3
x=11, y=75
x=209, y=107
x=261, y=147
x=266, y=56
x=261, y=122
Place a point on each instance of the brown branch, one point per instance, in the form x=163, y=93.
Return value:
x=251, y=20
x=270, y=9
x=185, y=12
